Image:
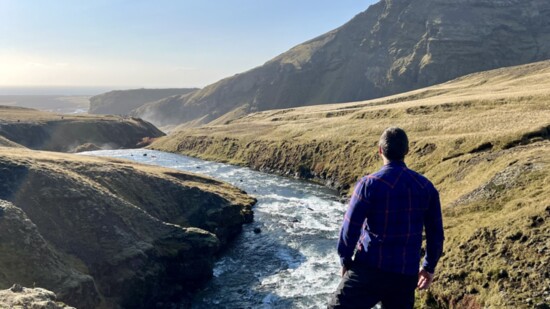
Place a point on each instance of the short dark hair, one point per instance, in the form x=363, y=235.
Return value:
x=394, y=144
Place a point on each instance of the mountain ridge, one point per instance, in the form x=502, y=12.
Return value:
x=392, y=47
x=122, y=102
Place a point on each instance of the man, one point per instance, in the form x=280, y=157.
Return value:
x=381, y=236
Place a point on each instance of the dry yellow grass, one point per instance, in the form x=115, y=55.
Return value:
x=67, y=163
x=484, y=141
x=501, y=101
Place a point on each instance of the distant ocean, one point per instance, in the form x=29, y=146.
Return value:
x=61, y=91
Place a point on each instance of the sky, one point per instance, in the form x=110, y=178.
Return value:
x=123, y=44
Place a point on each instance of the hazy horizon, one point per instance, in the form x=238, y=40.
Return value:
x=69, y=47
x=54, y=90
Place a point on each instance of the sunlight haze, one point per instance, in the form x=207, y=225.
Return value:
x=153, y=43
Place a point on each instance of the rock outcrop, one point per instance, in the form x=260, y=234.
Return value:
x=392, y=47
x=67, y=133
x=28, y=258
x=121, y=102
x=109, y=233
x=35, y=298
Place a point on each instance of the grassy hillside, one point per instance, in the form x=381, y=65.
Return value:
x=69, y=133
x=484, y=141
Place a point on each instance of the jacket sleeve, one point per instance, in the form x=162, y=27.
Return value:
x=433, y=224
x=353, y=222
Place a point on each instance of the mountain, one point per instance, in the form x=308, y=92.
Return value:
x=71, y=133
x=392, y=47
x=121, y=102
x=484, y=141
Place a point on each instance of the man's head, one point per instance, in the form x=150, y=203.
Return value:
x=394, y=144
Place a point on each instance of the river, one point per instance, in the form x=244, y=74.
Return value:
x=292, y=262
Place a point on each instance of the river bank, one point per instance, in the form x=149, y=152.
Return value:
x=286, y=258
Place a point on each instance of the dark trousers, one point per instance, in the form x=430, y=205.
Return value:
x=365, y=287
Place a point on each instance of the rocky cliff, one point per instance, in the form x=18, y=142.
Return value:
x=67, y=133
x=121, y=102
x=109, y=233
x=483, y=140
x=392, y=47
x=35, y=298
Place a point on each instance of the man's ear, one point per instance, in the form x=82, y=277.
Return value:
x=379, y=150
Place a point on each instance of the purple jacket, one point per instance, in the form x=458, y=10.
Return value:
x=385, y=219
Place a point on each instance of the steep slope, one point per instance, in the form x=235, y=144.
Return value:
x=484, y=141
x=67, y=133
x=121, y=102
x=4, y=142
x=392, y=47
x=170, y=114
x=110, y=233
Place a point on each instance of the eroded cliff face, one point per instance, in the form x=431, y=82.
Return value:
x=28, y=258
x=111, y=233
x=394, y=46
x=68, y=133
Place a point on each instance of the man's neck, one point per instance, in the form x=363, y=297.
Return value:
x=386, y=161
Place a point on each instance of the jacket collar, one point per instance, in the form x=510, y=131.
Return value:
x=395, y=164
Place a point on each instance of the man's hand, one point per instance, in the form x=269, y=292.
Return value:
x=344, y=271
x=425, y=279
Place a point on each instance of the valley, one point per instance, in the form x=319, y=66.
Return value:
x=482, y=139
